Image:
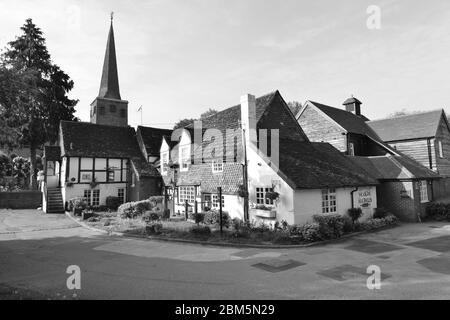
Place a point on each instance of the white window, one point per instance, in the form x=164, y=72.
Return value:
x=217, y=166
x=423, y=187
x=50, y=168
x=92, y=197
x=164, y=163
x=121, y=195
x=87, y=196
x=186, y=193
x=261, y=196
x=184, y=158
x=351, y=149
x=441, y=150
x=95, y=197
x=215, y=201
x=329, y=201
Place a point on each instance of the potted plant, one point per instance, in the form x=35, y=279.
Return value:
x=265, y=211
x=93, y=183
x=272, y=195
x=242, y=192
x=78, y=206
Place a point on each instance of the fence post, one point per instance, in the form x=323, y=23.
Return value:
x=219, y=189
x=186, y=207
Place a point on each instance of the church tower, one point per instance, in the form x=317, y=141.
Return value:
x=109, y=108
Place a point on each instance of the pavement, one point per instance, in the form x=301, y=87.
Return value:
x=36, y=250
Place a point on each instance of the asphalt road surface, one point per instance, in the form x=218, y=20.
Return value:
x=37, y=249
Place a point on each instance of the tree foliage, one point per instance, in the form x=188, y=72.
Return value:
x=208, y=113
x=183, y=123
x=33, y=94
x=295, y=107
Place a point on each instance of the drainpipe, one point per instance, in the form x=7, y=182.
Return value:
x=351, y=195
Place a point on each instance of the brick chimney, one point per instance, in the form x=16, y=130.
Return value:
x=353, y=105
x=248, y=118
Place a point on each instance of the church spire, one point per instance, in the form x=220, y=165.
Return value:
x=109, y=86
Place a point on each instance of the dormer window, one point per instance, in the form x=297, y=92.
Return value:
x=101, y=110
x=164, y=163
x=217, y=166
x=184, y=158
x=112, y=108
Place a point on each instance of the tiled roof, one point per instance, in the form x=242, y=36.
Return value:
x=319, y=165
x=52, y=152
x=83, y=139
x=152, y=138
x=415, y=126
x=230, y=118
x=394, y=168
x=350, y=122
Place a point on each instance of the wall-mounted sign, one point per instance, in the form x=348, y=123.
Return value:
x=364, y=198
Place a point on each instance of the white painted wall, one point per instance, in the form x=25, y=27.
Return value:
x=106, y=190
x=260, y=174
x=309, y=202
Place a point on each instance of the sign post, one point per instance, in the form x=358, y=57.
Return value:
x=219, y=190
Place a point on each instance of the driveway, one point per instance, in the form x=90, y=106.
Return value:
x=414, y=260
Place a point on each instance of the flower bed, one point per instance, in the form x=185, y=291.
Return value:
x=205, y=227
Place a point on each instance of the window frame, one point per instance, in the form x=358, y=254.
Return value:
x=423, y=191
x=184, y=158
x=440, y=149
x=164, y=163
x=112, y=108
x=329, y=201
x=217, y=166
x=95, y=197
x=261, y=198
x=121, y=194
x=184, y=193
x=351, y=149
x=215, y=201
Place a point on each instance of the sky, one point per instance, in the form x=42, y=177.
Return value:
x=177, y=58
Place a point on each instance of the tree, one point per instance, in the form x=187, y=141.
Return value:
x=208, y=113
x=295, y=107
x=35, y=98
x=402, y=112
x=183, y=123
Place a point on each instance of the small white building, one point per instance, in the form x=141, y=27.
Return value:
x=310, y=178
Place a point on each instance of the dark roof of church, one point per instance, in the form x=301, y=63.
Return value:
x=84, y=139
x=152, y=138
x=109, y=86
x=349, y=121
x=414, y=126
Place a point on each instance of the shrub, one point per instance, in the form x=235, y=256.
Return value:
x=349, y=226
x=131, y=210
x=380, y=213
x=311, y=232
x=354, y=214
x=112, y=203
x=200, y=230
x=213, y=218
x=153, y=228
x=197, y=217
x=150, y=216
x=236, y=223
x=438, y=211
x=331, y=225
x=281, y=238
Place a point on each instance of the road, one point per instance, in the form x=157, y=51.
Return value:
x=37, y=249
